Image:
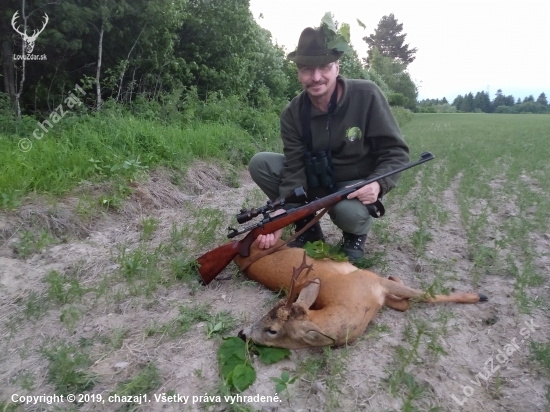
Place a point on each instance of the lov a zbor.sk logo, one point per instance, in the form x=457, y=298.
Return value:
x=28, y=41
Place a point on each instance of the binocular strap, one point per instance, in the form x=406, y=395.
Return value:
x=376, y=209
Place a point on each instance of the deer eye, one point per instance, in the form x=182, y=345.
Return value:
x=271, y=331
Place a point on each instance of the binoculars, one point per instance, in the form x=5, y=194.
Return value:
x=319, y=169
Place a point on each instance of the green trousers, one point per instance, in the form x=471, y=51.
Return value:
x=349, y=215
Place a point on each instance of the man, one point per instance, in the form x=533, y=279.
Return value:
x=345, y=125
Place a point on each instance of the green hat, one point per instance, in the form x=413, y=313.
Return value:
x=312, y=49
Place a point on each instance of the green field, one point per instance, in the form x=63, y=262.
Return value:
x=497, y=161
x=121, y=286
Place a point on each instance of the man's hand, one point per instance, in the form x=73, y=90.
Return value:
x=267, y=241
x=367, y=194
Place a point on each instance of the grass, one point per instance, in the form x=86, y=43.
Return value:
x=148, y=227
x=215, y=323
x=67, y=369
x=31, y=243
x=119, y=144
x=62, y=289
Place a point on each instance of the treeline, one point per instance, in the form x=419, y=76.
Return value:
x=161, y=51
x=481, y=103
x=126, y=50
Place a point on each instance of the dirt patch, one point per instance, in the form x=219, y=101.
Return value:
x=117, y=329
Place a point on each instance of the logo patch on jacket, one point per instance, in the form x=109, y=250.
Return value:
x=354, y=133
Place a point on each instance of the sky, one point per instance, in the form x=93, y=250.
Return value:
x=463, y=46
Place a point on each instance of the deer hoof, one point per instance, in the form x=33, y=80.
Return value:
x=482, y=297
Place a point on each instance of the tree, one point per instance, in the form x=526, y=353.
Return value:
x=482, y=102
x=501, y=100
x=542, y=100
x=351, y=67
x=394, y=76
x=137, y=49
x=388, y=40
x=467, y=104
x=457, y=102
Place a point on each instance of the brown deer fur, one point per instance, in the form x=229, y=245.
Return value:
x=336, y=300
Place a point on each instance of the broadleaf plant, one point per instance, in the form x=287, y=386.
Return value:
x=235, y=364
x=336, y=39
x=321, y=250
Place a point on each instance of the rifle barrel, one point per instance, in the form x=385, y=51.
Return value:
x=335, y=197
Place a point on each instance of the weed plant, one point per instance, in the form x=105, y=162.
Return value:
x=145, y=381
x=67, y=369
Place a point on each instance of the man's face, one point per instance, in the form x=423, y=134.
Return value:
x=318, y=81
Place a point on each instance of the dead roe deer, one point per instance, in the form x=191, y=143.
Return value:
x=335, y=300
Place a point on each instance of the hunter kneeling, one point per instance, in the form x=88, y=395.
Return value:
x=335, y=133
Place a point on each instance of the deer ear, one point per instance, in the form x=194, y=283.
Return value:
x=314, y=337
x=309, y=293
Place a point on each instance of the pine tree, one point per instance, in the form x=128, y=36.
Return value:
x=387, y=38
x=457, y=102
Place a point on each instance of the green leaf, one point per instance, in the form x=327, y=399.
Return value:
x=232, y=346
x=328, y=23
x=231, y=354
x=243, y=377
x=345, y=31
x=339, y=43
x=269, y=355
x=321, y=250
x=229, y=364
x=285, y=376
x=280, y=387
x=361, y=24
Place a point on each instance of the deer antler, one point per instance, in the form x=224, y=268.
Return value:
x=296, y=272
x=13, y=19
x=35, y=33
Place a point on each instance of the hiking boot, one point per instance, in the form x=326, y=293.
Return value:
x=313, y=234
x=353, y=246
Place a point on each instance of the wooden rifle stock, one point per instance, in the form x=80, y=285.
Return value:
x=213, y=262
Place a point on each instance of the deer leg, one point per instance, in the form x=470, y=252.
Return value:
x=394, y=302
x=402, y=291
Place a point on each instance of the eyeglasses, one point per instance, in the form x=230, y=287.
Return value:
x=309, y=70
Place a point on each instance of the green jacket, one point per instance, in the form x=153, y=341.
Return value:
x=365, y=139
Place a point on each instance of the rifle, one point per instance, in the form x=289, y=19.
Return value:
x=213, y=262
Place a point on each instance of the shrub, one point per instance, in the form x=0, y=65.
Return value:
x=397, y=99
x=402, y=115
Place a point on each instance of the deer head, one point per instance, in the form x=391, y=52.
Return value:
x=29, y=40
x=287, y=325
